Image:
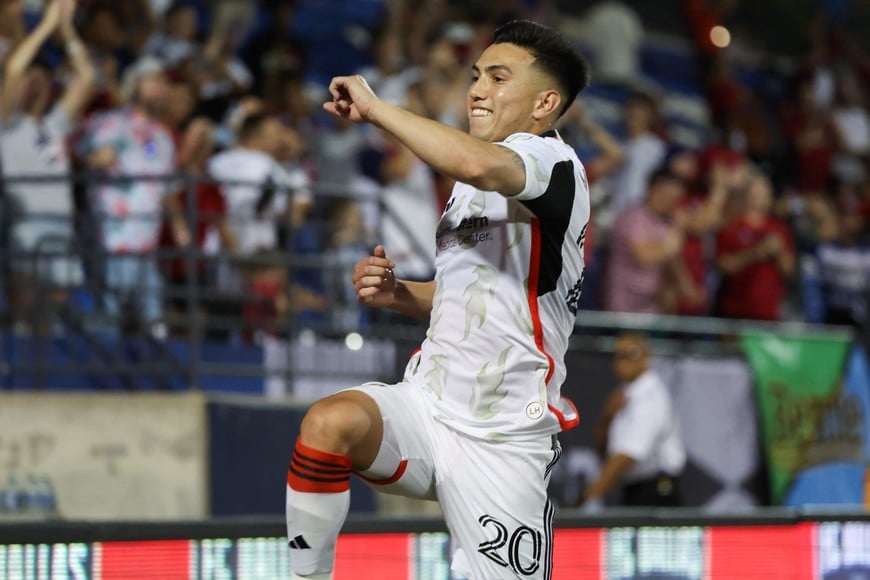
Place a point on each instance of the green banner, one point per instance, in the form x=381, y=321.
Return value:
x=799, y=387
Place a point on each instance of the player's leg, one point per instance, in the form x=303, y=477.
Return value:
x=339, y=433
x=382, y=432
x=494, y=497
x=403, y=465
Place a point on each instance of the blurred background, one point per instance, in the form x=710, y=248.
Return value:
x=179, y=220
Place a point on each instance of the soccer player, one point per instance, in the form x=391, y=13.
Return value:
x=473, y=423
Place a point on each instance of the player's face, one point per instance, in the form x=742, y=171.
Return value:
x=502, y=94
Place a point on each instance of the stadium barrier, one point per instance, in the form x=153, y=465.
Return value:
x=674, y=544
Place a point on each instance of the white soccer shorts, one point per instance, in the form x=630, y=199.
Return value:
x=493, y=493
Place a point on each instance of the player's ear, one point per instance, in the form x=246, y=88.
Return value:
x=547, y=103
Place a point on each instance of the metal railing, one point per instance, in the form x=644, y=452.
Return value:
x=208, y=297
x=117, y=350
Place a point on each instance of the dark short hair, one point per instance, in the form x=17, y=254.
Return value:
x=553, y=54
x=644, y=98
x=663, y=173
x=252, y=124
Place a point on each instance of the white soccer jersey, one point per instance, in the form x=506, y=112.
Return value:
x=508, y=278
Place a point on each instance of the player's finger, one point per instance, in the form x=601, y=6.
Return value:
x=367, y=292
x=381, y=252
x=377, y=270
x=375, y=281
x=335, y=86
x=376, y=262
x=382, y=262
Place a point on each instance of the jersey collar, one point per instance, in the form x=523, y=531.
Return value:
x=552, y=133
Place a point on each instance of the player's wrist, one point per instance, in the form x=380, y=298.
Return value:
x=373, y=111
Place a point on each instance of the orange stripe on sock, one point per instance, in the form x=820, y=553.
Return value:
x=324, y=457
x=306, y=464
x=315, y=471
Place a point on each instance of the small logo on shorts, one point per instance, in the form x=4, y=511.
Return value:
x=534, y=410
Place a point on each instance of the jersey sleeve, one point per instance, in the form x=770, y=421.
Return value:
x=542, y=158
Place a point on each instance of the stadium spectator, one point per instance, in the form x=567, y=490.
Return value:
x=644, y=152
x=852, y=124
x=614, y=33
x=260, y=196
x=812, y=140
x=336, y=149
x=439, y=92
x=135, y=153
x=410, y=211
x=270, y=52
x=347, y=243
x=103, y=32
x=755, y=255
x=389, y=74
x=181, y=106
x=257, y=189
x=219, y=72
x=206, y=212
x=34, y=127
x=836, y=275
x=644, y=244
x=638, y=435
x=711, y=177
x=175, y=41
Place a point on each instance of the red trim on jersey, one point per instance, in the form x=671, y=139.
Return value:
x=403, y=465
x=564, y=423
x=534, y=270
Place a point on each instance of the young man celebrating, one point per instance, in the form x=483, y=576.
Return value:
x=473, y=422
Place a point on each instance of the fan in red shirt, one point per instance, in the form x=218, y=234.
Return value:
x=755, y=255
x=710, y=176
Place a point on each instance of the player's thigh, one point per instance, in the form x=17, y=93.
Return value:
x=494, y=498
x=404, y=464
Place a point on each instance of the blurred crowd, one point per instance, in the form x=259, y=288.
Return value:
x=766, y=219
x=197, y=124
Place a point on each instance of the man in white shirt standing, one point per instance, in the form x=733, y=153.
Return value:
x=473, y=423
x=256, y=188
x=638, y=434
x=261, y=196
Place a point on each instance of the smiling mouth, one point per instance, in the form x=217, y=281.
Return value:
x=480, y=113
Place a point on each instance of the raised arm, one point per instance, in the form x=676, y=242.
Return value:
x=80, y=88
x=20, y=59
x=449, y=151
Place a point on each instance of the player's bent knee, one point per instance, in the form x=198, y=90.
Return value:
x=348, y=423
